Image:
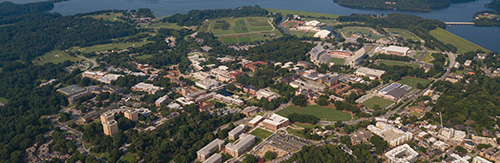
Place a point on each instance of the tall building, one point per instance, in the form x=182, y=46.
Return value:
x=132, y=115
x=238, y=149
x=107, y=116
x=110, y=127
x=205, y=152
x=402, y=154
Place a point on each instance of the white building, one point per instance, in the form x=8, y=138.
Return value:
x=215, y=158
x=238, y=149
x=265, y=93
x=396, y=50
x=478, y=159
x=323, y=34
x=457, y=159
x=209, y=149
x=390, y=134
x=402, y=154
x=371, y=73
x=108, y=78
x=312, y=23
x=207, y=84
x=255, y=121
x=146, y=87
x=235, y=133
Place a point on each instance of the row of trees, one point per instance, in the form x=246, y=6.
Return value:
x=304, y=118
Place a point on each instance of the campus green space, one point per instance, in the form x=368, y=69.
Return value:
x=261, y=133
x=324, y=113
x=413, y=81
x=129, y=157
x=303, y=13
x=337, y=61
x=4, y=100
x=398, y=63
x=165, y=25
x=462, y=45
x=463, y=71
x=54, y=56
x=428, y=58
x=366, y=31
x=302, y=33
x=407, y=35
x=108, y=16
x=241, y=30
x=110, y=46
x=375, y=100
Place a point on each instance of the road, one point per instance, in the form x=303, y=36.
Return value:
x=94, y=63
x=422, y=55
x=283, y=19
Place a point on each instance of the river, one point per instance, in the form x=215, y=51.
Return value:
x=488, y=37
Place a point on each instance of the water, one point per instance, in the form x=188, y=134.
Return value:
x=488, y=37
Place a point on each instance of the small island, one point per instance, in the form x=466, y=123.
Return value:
x=410, y=5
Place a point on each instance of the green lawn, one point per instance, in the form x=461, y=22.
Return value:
x=375, y=100
x=54, y=56
x=244, y=29
x=413, y=82
x=230, y=40
x=398, y=32
x=324, y=113
x=338, y=61
x=465, y=70
x=261, y=133
x=130, y=157
x=301, y=33
x=244, y=39
x=108, y=16
x=165, y=25
x=427, y=58
x=462, y=44
x=399, y=63
x=4, y=100
x=303, y=13
x=110, y=46
x=366, y=31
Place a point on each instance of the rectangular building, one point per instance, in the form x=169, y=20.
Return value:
x=209, y=149
x=133, y=115
x=110, y=127
x=238, y=149
x=255, y=121
x=207, y=84
x=275, y=122
x=235, y=133
x=250, y=111
x=146, y=87
x=162, y=100
x=216, y=158
x=371, y=73
x=402, y=154
x=390, y=134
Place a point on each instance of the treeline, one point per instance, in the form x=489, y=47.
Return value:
x=197, y=17
x=304, y=118
x=37, y=34
x=417, y=25
x=284, y=49
x=392, y=57
x=333, y=153
x=423, y=5
x=8, y=8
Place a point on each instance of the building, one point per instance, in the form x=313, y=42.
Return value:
x=469, y=145
x=108, y=78
x=371, y=73
x=162, y=100
x=216, y=158
x=235, y=133
x=393, y=91
x=402, y=154
x=395, y=50
x=360, y=137
x=229, y=100
x=71, y=90
x=312, y=23
x=255, y=121
x=442, y=146
x=390, y=134
x=94, y=75
x=205, y=152
x=455, y=158
x=250, y=111
x=478, y=159
x=131, y=114
x=267, y=94
x=206, y=106
x=323, y=34
x=467, y=63
x=146, y=87
x=275, y=122
x=238, y=149
x=207, y=84
x=110, y=127
x=107, y=116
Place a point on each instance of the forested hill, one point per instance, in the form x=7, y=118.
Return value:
x=10, y=9
x=412, y=5
x=494, y=5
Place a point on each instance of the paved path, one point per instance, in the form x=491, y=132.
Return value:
x=94, y=63
x=422, y=55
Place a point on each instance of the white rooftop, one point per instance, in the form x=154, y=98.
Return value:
x=403, y=153
x=397, y=49
x=275, y=119
x=256, y=119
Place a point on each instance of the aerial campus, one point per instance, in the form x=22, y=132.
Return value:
x=247, y=84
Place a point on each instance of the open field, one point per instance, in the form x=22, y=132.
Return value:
x=261, y=133
x=130, y=158
x=302, y=33
x=402, y=33
x=54, y=56
x=366, y=31
x=462, y=45
x=427, y=58
x=110, y=46
x=166, y=25
x=399, y=63
x=324, y=113
x=465, y=70
x=375, y=100
x=338, y=61
x=3, y=100
x=303, y=13
x=413, y=81
x=239, y=30
x=108, y=16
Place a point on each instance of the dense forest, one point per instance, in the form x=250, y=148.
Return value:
x=284, y=49
x=333, y=153
x=197, y=17
x=412, y=5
